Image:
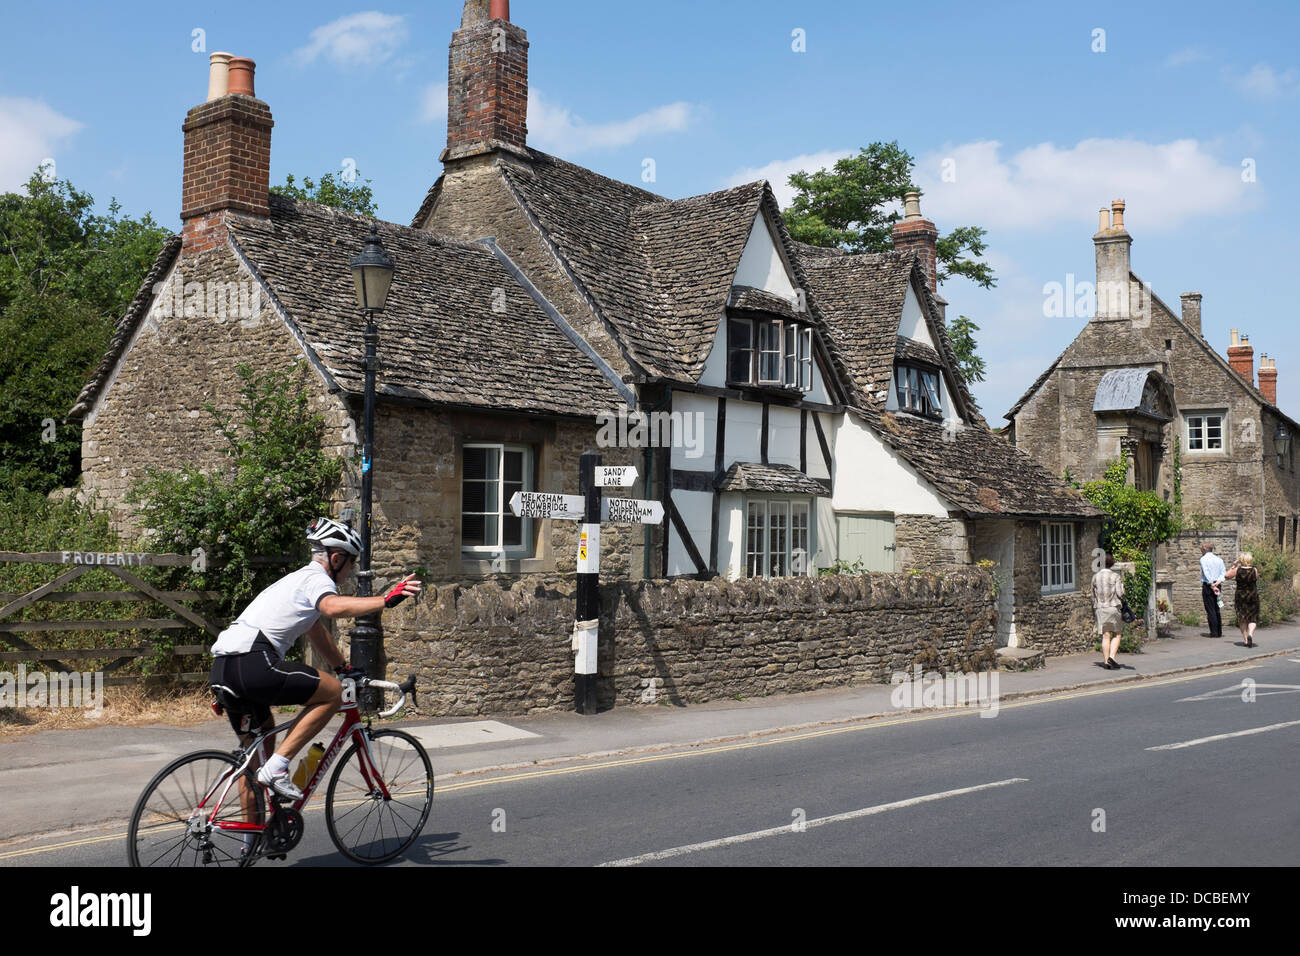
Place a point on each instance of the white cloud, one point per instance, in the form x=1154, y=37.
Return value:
x=1190, y=54
x=30, y=132
x=1164, y=184
x=1263, y=81
x=778, y=171
x=359, y=39
x=555, y=128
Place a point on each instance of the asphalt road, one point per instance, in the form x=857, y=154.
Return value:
x=1032, y=785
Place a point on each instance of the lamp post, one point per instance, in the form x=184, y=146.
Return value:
x=372, y=273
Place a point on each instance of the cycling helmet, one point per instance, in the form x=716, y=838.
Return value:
x=328, y=533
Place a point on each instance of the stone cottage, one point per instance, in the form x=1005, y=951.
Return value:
x=790, y=407
x=1142, y=378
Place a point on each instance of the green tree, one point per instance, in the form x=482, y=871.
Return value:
x=66, y=278
x=961, y=336
x=275, y=479
x=849, y=206
x=354, y=196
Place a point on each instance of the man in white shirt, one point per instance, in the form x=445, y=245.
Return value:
x=248, y=656
x=1212, y=577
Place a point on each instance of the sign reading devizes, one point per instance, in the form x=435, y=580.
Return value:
x=537, y=504
x=615, y=476
x=634, y=510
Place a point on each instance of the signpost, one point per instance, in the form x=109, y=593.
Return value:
x=589, y=508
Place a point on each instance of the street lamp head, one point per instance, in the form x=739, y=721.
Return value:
x=1281, y=442
x=372, y=273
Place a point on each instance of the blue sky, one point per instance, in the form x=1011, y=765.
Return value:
x=1040, y=124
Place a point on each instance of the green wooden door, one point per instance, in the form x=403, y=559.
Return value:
x=867, y=538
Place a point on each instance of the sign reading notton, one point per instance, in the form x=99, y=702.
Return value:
x=536, y=504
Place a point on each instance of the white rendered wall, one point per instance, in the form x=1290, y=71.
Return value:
x=761, y=265
x=869, y=475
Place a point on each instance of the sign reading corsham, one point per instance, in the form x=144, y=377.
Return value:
x=121, y=558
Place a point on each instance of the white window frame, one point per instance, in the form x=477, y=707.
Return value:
x=790, y=355
x=805, y=359
x=525, y=547
x=1057, y=557
x=1203, y=416
x=775, y=326
x=788, y=508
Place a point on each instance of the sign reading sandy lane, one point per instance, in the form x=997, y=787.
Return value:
x=634, y=510
x=615, y=476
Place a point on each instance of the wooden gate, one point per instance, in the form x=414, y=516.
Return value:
x=117, y=563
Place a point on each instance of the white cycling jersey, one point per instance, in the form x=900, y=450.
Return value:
x=283, y=612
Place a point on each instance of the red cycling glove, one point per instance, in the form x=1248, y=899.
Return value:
x=396, y=595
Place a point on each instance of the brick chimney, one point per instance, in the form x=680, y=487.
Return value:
x=1192, y=311
x=1113, y=242
x=487, y=83
x=1268, y=378
x=917, y=235
x=227, y=153
x=1241, y=356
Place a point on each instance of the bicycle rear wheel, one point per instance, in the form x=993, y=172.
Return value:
x=366, y=826
x=168, y=828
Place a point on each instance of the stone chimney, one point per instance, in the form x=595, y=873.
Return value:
x=1192, y=311
x=1268, y=378
x=1112, y=242
x=487, y=83
x=1241, y=356
x=917, y=235
x=227, y=153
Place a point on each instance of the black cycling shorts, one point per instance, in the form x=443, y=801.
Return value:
x=259, y=678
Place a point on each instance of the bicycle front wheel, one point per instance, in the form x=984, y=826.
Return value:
x=173, y=823
x=365, y=825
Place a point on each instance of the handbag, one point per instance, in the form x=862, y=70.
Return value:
x=1125, y=612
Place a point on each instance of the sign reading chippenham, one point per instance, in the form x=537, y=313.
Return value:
x=59, y=690
x=591, y=509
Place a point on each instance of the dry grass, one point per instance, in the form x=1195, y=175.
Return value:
x=126, y=706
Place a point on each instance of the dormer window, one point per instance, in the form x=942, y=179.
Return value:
x=771, y=352
x=918, y=389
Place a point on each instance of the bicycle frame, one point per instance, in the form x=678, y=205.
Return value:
x=353, y=726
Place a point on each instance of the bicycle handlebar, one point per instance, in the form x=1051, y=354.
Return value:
x=406, y=687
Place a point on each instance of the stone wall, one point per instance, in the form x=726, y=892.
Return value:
x=1178, y=569
x=496, y=649
x=927, y=541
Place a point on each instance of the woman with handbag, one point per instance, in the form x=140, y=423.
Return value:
x=1107, y=601
x=1246, y=602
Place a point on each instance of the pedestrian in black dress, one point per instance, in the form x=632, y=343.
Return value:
x=1246, y=602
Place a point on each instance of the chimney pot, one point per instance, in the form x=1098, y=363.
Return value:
x=1103, y=220
x=912, y=205
x=241, y=76
x=218, y=75
x=500, y=10
x=1117, y=207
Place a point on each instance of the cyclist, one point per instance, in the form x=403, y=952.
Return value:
x=249, y=654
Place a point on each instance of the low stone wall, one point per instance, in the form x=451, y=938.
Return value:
x=489, y=649
x=1178, y=569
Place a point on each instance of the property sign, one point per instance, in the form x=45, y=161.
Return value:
x=615, y=476
x=537, y=504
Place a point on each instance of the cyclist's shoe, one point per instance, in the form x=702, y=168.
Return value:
x=281, y=783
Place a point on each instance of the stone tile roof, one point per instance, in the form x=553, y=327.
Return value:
x=457, y=328
x=659, y=271
x=782, y=479
x=911, y=349
x=980, y=472
x=759, y=300
x=860, y=298
x=130, y=321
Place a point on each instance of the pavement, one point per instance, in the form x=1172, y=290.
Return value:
x=62, y=780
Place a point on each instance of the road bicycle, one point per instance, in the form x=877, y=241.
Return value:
x=196, y=811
